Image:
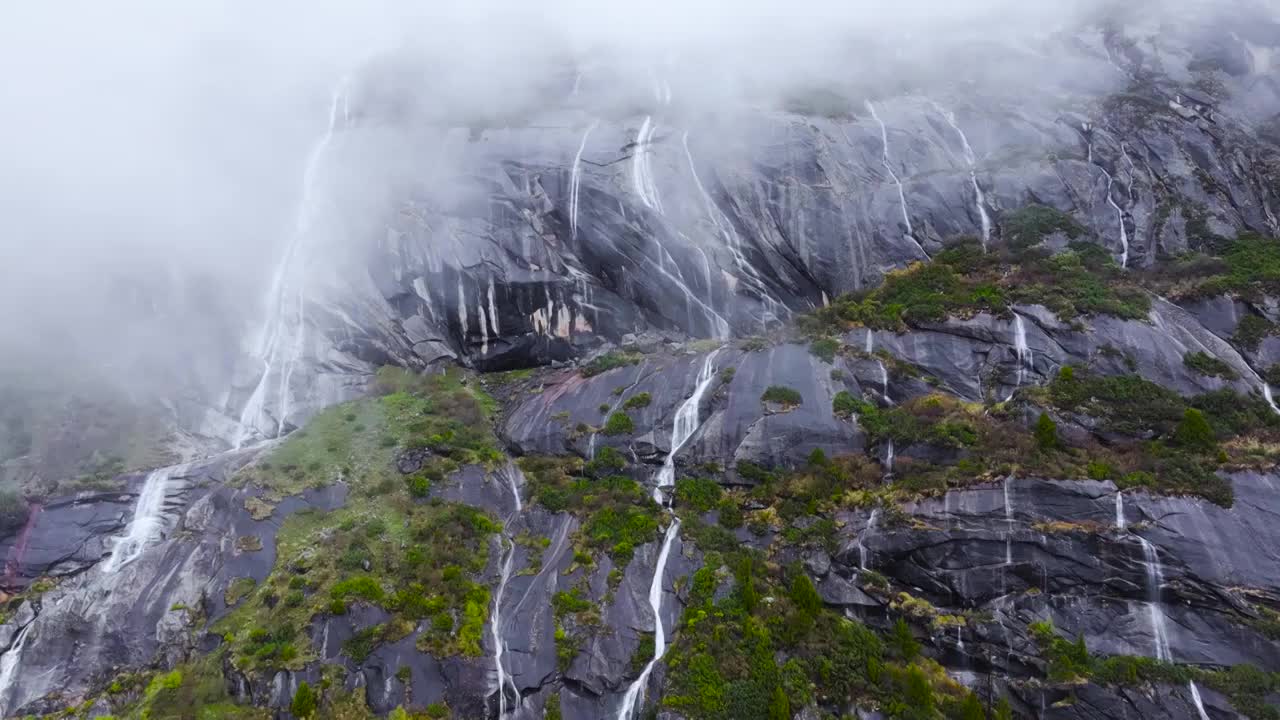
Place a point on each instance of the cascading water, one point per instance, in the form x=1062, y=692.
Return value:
x=642, y=168
x=884, y=371
x=980, y=197
x=1195, y=699
x=1008, y=523
x=888, y=165
x=722, y=224
x=686, y=423
x=281, y=341
x=9, y=666
x=147, y=525
x=1155, y=580
x=862, y=548
x=499, y=645
x=1124, y=232
x=631, y=699
x=1025, y=358
x=575, y=182
x=1266, y=393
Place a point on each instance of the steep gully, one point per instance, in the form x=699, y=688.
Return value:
x=1155, y=581
x=686, y=423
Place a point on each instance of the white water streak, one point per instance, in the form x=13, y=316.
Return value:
x=9, y=665
x=642, y=167
x=1155, y=581
x=287, y=290
x=1195, y=699
x=888, y=165
x=686, y=423
x=635, y=691
x=981, y=198
x=1124, y=231
x=499, y=645
x=575, y=182
x=147, y=525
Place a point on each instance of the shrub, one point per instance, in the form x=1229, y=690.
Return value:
x=1208, y=365
x=304, y=702
x=825, y=349
x=805, y=596
x=782, y=395
x=700, y=494
x=1251, y=330
x=360, y=586
x=639, y=400
x=844, y=405
x=419, y=485
x=609, y=361
x=1194, y=432
x=1047, y=433
x=726, y=375
x=619, y=424
x=1030, y=225
x=730, y=514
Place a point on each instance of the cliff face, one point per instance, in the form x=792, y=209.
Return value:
x=992, y=364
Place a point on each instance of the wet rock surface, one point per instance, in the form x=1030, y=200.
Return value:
x=733, y=249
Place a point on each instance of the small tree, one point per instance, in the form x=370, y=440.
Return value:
x=902, y=642
x=304, y=702
x=779, y=705
x=1003, y=710
x=805, y=595
x=1194, y=432
x=747, y=587
x=1047, y=433
x=971, y=708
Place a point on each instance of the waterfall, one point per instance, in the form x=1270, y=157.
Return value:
x=971, y=159
x=274, y=350
x=1195, y=699
x=1008, y=521
x=499, y=645
x=629, y=701
x=888, y=165
x=686, y=423
x=642, y=168
x=1124, y=232
x=9, y=666
x=1025, y=358
x=888, y=459
x=733, y=241
x=1155, y=580
x=862, y=549
x=575, y=182
x=147, y=525
x=1266, y=393
x=884, y=372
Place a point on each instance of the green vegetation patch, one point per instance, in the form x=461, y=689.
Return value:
x=617, y=513
x=387, y=547
x=610, y=361
x=356, y=442
x=1246, y=686
x=1208, y=365
x=963, y=281
x=782, y=395
x=744, y=658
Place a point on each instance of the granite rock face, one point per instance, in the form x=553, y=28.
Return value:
x=668, y=230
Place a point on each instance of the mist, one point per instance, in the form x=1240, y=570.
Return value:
x=153, y=152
